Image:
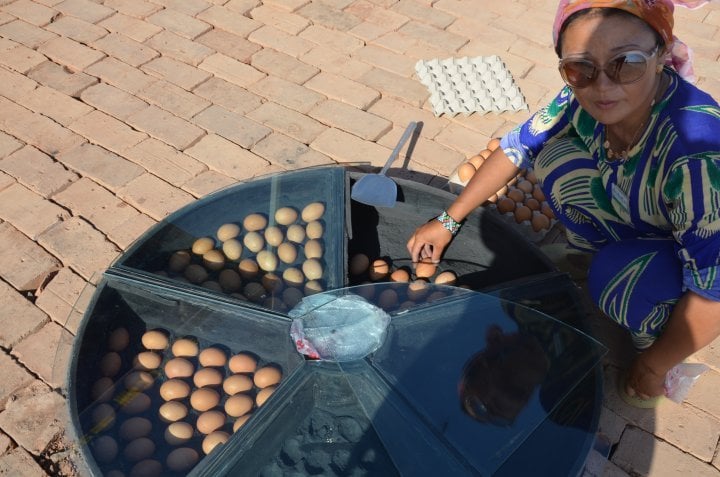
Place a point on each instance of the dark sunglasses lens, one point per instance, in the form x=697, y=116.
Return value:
x=628, y=68
x=578, y=74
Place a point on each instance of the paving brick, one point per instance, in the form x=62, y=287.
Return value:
x=189, y=7
x=283, y=151
x=154, y=196
x=277, y=18
x=133, y=8
x=174, y=99
x=323, y=14
x=104, y=167
x=343, y=89
x=37, y=171
x=344, y=147
x=231, y=70
x=703, y=394
x=430, y=154
x=482, y=34
x=334, y=62
x=56, y=105
x=38, y=353
x=113, y=101
x=125, y=49
x=25, y=33
x=485, y=124
x=401, y=114
x=87, y=10
x=19, y=462
x=432, y=36
x=107, y=131
x=398, y=42
x=23, y=264
x=21, y=58
x=8, y=145
x=311, y=158
x=462, y=139
x=62, y=79
x=227, y=158
x=290, y=95
x=393, y=86
x=533, y=27
x=34, y=430
x=131, y=27
x=231, y=126
x=229, y=96
x=244, y=6
x=175, y=72
x=229, y=44
x=27, y=211
x=58, y=297
x=376, y=15
x=165, y=126
x=180, y=48
x=35, y=129
x=337, y=40
x=424, y=13
x=79, y=246
x=229, y=20
x=31, y=12
x=640, y=453
x=6, y=18
x=387, y=60
x=270, y=37
x=284, y=66
x=14, y=378
x=288, y=122
x=289, y=5
x=77, y=29
x=180, y=23
x=710, y=355
x=127, y=232
x=15, y=306
x=70, y=53
x=120, y=75
x=350, y=119
x=16, y=86
x=164, y=161
x=369, y=32
x=6, y=181
x=207, y=182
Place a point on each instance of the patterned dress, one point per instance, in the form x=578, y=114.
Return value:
x=652, y=219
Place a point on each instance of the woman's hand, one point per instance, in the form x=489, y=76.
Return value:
x=428, y=242
x=643, y=381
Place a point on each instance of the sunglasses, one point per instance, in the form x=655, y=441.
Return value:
x=625, y=68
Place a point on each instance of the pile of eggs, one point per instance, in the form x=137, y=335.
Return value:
x=176, y=401
x=274, y=264
x=521, y=200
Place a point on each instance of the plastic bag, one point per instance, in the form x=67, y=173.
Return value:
x=337, y=328
x=680, y=379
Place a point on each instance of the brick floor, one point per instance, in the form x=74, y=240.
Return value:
x=114, y=114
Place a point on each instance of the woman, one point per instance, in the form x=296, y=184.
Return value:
x=628, y=155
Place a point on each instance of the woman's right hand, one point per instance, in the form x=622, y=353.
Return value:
x=428, y=242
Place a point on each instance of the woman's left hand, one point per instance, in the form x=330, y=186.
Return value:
x=643, y=381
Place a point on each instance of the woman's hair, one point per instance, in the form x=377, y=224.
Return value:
x=604, y=13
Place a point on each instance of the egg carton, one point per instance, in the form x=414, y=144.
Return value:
x=466, y=85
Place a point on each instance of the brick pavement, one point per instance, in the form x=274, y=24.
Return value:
x=115, y=113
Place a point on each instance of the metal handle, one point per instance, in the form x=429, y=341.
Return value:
x=403, y=139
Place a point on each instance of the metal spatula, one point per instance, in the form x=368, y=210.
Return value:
x=378, y=189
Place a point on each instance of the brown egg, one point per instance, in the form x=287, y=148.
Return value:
x=532, y=204
x=485, y=153
x=207, y=377
x=493, y=198
x=503, y=190
x=286, y=215
x=253, y=241
x=379, y=269
x=295, y=233
x=212, y=356
x=448, y=277
x=388, y=299
x=547, y=210
x=312, y=269
x=179, y=261
x=530, y=176
x=204, y=399
x=264, y=395
x=182, y=459
x=494, y=143
x=272, y=282
x=103, y=416
x=313, y=249
x=119, y=339
x=210, y=421
x=238, y=405
x=178, y=433
x=139, y=449
x=537, y=193
x=525, y=186
x=465, y=171
x=203, y=245
x=195, y=273
x=212, y=285
x=139, y=402
x=292, y=296
x=402, y=274
x=147, y=468
x=147, y=360
x=267, y=376
x=243, y=363
x=312, y=287
x=248, y=268
x=522, y=213
x=213, y=440
x=313, y=211
x=505, y=205
x=232, y=249
x=516, y=194
x=213, y=260
x=228, y=231
x=254, y=222
x=184, y=347
x=359, y=264
x=314, y=230
x=110, y=364
x=237, y=383
x=104, y=448
x=417, y=289
x=102, y=390
x=476, y=161
x=274, y=236
x=139, y=381
x=540, y=221
x=172, y=411
x=425, y=269
x=174, y=389
x=240, y=421
x=293, y=277
x=229, y=280
x=134, y=427
x=179, y=368
x=254, y=291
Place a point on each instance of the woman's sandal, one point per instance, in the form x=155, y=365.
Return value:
x=637, y=401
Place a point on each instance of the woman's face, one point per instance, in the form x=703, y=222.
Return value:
x=600, y=39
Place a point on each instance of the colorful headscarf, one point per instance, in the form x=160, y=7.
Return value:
x=658, y=14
